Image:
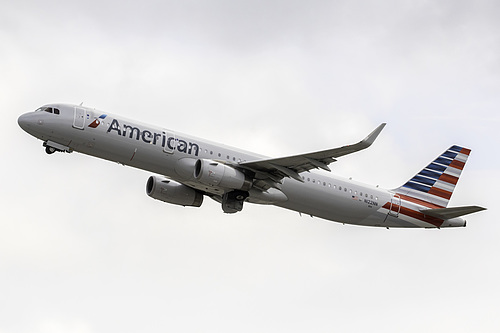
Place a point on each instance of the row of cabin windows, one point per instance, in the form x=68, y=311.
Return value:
x=239, y=160
x=345, y=189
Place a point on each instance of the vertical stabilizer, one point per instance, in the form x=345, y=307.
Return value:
x=436, y=182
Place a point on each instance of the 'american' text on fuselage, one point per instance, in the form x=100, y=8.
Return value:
x=154, y=138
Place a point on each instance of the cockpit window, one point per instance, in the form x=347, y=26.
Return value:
x=48, y=109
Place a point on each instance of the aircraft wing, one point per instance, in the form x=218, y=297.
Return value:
x=291, y=166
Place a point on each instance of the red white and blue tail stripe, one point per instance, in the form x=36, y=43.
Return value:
x=436, y=182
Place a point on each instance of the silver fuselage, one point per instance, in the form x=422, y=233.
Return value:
x=173, y=154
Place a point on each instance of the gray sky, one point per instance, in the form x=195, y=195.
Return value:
x=83, y=249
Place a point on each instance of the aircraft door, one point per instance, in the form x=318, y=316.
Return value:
x=395, y=205
x=79, y=119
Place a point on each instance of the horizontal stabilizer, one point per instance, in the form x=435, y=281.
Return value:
x=452, y=212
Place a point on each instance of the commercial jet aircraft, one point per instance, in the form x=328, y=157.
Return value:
x=188, y=169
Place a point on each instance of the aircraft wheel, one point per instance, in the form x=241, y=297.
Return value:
x=50, y=150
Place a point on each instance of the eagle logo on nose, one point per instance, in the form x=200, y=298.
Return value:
x=97, y=121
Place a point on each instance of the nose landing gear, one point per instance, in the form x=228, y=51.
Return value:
x=52, y=147
x=50, y=150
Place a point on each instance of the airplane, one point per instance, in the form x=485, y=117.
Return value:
x=187, y=169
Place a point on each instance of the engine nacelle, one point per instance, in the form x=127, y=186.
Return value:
x=172, y=192
x=212, y=173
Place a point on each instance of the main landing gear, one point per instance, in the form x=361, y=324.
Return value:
x=232, y=202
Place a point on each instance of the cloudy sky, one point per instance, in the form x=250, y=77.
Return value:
x=83, y=249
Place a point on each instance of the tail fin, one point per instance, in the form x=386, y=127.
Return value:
x=436, y=182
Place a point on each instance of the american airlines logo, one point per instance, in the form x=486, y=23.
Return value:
x=154, y=138
x=97, y=121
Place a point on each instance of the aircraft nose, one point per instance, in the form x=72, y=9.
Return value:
x=27, y=121
x=23, y=121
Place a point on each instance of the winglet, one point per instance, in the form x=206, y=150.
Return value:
x=367, y=142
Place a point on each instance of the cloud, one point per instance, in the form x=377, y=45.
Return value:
x=82, y=247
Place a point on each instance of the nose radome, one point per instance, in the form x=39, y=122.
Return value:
x=23, y=121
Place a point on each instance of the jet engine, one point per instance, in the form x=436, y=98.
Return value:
x=212, y=173
x=172, y=192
